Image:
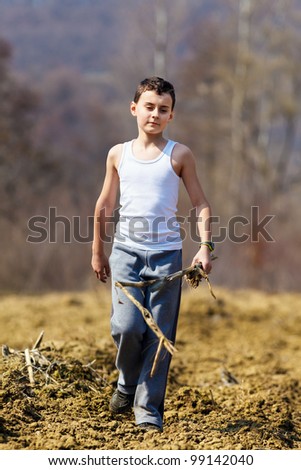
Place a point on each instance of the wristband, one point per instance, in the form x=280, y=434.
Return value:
x=209, y=244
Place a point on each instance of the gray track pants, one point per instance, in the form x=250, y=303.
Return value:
x=135, y=341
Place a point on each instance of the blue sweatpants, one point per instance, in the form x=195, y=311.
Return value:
x=136, y=342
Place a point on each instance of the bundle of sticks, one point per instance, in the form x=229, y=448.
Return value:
x=32, y=357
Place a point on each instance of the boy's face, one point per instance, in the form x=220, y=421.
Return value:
x=153, y=111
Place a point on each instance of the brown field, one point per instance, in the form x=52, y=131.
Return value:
x=252, y=335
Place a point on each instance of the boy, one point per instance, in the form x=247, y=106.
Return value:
x=147, y=245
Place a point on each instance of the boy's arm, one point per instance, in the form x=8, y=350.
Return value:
x=104, y=208
x=203, y=211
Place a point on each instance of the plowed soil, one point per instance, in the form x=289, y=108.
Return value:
x=234, y=381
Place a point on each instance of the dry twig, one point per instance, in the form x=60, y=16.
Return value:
x=151, y=323
x=29, y=366
x=38, y=341
x=193, y=275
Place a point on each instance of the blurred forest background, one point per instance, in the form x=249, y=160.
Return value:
x=68, y=71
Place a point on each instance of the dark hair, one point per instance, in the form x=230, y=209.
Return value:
x=158, y=85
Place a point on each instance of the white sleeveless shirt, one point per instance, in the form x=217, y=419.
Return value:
x=148, y=199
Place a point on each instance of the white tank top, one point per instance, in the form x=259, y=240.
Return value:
x=148, y=198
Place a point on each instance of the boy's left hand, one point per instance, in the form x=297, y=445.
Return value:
x=203, y=257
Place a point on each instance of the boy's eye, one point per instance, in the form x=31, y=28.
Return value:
x=151, y=108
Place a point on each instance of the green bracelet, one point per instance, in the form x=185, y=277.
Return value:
x=209, y=244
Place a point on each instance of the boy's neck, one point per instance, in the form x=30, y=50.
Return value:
x=146, y=139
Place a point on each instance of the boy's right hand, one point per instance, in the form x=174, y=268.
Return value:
x=101, y=267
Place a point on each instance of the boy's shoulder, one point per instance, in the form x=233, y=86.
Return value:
x=182, y=158
x=114, y=154
x=116, y=149
x=182, y=153
x=182, y=148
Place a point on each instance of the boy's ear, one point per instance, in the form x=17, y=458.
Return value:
x=171, y=116
x=133, y=108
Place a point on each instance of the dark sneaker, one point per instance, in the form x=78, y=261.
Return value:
x=150, y=427
x=121, y=402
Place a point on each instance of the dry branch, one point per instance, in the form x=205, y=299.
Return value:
x=152, y=324
x=148, y=319
x=193, y=275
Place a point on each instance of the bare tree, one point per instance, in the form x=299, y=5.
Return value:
x=161, y=19
x=239, y=89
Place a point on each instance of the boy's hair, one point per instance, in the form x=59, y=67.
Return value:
x=157, y=84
